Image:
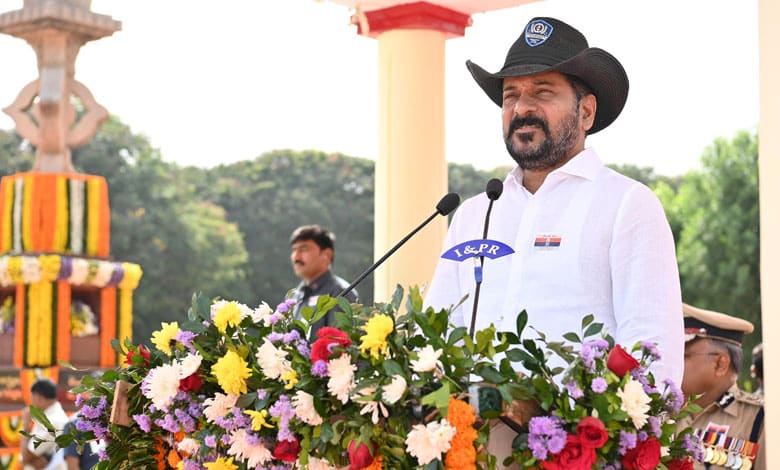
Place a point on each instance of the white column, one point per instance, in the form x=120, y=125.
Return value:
x=769, y=195
x=411, y=171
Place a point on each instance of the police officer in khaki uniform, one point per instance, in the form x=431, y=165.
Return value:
x=730, y=425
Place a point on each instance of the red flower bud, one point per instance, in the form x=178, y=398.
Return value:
x=142, y=352
x=321, y=348
x=620, y=362
x=287, y=450
x=592, y=432
x=360, y=455
x=192, y=383
x=645, y=456
x=686, y=464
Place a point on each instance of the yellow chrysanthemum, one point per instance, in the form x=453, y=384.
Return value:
x=375, y=340
x=163, y=337
x=228, y=315
x=290, y=378
x=221, y=464
x=258, y=419
x=231, y=372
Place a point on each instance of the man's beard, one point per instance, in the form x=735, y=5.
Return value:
x=552, y=151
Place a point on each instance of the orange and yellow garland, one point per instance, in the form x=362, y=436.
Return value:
x=41, y=212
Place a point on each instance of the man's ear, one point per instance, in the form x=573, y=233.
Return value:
x=329, y=253
x=588, y=107
x=723, y=364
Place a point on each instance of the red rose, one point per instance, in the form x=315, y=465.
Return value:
x=191, y=383
x=620, y=362
x=592, y=432
x=141, y=353
x=676, y=464
x=574, y=456
x=287, y=450
x=360, y=455
x=320, y=349
x=645, y=456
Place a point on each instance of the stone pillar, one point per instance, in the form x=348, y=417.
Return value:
x=769, y=194
x=411, y=170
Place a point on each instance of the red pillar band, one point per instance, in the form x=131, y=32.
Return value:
x=418, y=15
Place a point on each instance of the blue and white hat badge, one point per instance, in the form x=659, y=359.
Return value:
x=537, y=32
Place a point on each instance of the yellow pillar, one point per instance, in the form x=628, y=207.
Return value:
x=411, y=171
x=769, y=194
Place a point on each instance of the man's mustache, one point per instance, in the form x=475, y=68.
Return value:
x=519, y=122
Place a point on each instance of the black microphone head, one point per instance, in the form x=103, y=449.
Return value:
x=494, y=189
x=448, y=203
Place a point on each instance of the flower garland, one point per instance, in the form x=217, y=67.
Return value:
x=54, y=212
x=24, y=269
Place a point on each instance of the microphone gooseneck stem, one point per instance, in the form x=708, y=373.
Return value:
x=387, y=255
x=478, y=272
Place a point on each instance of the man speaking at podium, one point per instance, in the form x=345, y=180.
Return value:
x=586, y=239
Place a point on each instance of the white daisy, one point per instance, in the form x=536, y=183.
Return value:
x=342, y=374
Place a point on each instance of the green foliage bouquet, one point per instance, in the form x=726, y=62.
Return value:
x=240, y=388
x=605, y=410
x=236, y=387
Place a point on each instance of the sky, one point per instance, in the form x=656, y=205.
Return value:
x=217, y=81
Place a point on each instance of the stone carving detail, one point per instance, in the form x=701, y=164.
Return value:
x=43, y=111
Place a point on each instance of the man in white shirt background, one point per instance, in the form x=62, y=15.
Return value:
x=587, y=240
x=43, y=395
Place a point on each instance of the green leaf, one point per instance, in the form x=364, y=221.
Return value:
x=392, y=368
x=522, y=320
x=490, y=374
x=38, y=415
x=572, y=337
x=587, y=320
x=439, y=398
x=593, y=329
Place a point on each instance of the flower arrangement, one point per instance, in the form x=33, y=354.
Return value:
x=239, y=388
x=82, y=320
x=7, y=315
x=605, y=410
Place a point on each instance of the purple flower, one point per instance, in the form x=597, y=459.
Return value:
x=588, y=356
x=627, y=442
x=319, y=369
x=574, y=390
x=545, y=434
x=303, y=349
x=274, y=337
x=261, y=394
x=674, y=396
x=144, y=422
x=599, y=385
x=190, y=465
x=291, y=337
x=651, y=349
x=655, y=425
x=210, y=441
x=185, y=338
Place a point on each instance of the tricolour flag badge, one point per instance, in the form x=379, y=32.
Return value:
x=547, y=241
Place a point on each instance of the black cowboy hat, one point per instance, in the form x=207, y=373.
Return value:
x=548, y=44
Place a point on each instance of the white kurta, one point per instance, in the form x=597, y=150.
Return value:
x=615, y=259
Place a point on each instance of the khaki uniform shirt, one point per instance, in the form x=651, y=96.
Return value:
x=729, y=421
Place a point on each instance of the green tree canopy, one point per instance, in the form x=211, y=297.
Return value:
x=715, y=212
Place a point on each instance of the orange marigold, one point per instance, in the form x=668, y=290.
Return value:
x=376, y=464
x=173, y=458
x=462, y=454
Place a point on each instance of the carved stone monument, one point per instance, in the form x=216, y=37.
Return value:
x=44, y=111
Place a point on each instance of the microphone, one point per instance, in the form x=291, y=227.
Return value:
x=493, y=191
x=446, y=205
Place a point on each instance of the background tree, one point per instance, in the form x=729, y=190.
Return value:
x=716, y=212
x=156, y=221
